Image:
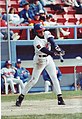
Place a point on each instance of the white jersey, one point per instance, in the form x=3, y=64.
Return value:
x=14, y=17
x=9, y=73
x=39, y=43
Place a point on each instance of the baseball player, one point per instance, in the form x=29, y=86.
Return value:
x=8, y=72
x=43, y=59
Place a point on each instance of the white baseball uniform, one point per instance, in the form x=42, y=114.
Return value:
x=9, y=75
x=41, y=61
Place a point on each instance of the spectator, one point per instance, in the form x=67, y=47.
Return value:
x=78, y=7
x=53, y=5
x=21, y=72
x=46, y=2
x=36, y=19
x=27, y=13
x=68, y=2
x=14, y=18
x=21, y=2
x=42, y=15
x=48, y=82
x=49, y=22
x=3, y=32
x=32, y=22
x=38, y=6
x=8, y=73
x=73, y=3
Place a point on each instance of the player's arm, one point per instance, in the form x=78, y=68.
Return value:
x=50, y=38
x=46, y=51
x=53, y=44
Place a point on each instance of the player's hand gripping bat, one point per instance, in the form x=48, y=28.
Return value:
x=59, y=52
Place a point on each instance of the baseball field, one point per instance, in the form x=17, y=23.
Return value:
x=42, y=106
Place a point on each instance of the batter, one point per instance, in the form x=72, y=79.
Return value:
x=43, y=59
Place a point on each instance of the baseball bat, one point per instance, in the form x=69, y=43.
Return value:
x=61, y=58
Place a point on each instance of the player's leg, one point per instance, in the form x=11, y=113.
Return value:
x=35, y=77
x=56, y=86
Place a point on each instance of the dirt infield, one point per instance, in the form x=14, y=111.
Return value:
x=41, y=107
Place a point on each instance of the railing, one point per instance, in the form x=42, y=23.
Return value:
x=48, y=27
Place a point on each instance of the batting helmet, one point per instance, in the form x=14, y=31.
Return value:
x=38, y=27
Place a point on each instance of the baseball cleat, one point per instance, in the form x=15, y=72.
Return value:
x=60, y=101
x=19, y=100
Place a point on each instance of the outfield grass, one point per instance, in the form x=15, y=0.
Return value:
x=41, y=96
x=50, y=116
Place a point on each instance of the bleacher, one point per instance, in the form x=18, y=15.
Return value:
x=69, y=17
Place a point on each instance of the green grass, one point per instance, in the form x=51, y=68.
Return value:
x=48, y=116
x=41, y=96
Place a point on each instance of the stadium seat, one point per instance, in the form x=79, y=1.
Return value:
x=61, y=21
x=14, y=4
x=55, y=16
x=78, y=16
x=80, y=20
x=67, y=16
x=51, y=12
x=73, y=20
x=69, y=10
x=48, y=9
x=2, y=2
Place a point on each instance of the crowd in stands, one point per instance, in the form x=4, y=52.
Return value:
x=33, y=11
